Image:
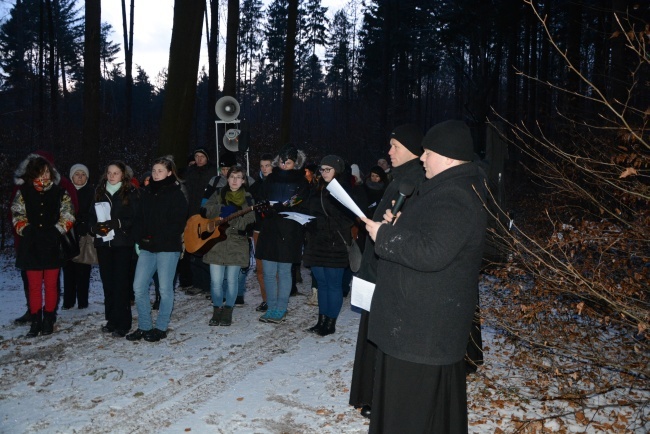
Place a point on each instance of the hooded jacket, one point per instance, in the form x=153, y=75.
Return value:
x=40, y=218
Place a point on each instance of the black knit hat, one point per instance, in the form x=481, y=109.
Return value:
x=451, y=139
x=410, y=136
x=335, y=162
x=288, y=152
x=227, y=159
x=202, y=151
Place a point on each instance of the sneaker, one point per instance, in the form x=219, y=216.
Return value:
x=239, y=301
x=136, y=335
x=155, y=335
x=263, y=307
x=278, y=316
x=267, y=316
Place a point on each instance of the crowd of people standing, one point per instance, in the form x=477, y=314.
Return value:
x=423, y=259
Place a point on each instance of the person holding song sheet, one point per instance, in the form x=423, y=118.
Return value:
x=405, y=148
x=426, y=290
x=328, y=238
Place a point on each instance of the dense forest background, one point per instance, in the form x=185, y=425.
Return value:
x=565, y=85
x=374, y=65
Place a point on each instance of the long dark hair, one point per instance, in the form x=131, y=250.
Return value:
x=126, y=187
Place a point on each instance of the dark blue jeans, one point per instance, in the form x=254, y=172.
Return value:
x=330, y=290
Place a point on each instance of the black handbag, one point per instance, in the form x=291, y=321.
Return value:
x=69, y=244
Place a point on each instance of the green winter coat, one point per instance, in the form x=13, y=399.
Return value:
x=234, y=248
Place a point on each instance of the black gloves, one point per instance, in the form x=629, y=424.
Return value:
x=101, y=229
x=28, y=230
x=203, y=212
x=113, y=224
x=278, y=207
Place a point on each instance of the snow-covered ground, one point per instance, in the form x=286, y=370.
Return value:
x=251, y=377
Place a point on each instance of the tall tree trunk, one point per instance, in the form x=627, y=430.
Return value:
x=180, y=90
x=92, y=76
x=574, y=38
x=289, y=66
x=52, y=70
x=128, y=63
x=230, y=77
x=41, y=72
x=213, y=67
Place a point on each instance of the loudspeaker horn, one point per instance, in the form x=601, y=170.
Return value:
x=227, y=108
x=231, y=140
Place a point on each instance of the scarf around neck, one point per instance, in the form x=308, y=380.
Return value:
x=237, y=198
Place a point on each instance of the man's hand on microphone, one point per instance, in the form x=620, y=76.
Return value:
x=389, y=217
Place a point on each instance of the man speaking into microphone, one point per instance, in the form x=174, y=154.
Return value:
x=405, y=149
x=426, y=290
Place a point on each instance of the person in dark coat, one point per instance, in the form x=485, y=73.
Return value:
x=423, y=305
x=280, y=241
x=266, y=167
x=72, y=192
x=374, y=189
x=114, y=243
x=158, y=231
x=326, y=249
x=405, y=148
x=42, y=211
x=196, y=180
x=76, y=277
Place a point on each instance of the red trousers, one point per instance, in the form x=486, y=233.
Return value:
x=36, y=278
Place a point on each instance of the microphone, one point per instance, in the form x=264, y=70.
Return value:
x=405, y=189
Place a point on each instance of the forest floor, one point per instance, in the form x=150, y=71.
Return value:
x=250, y=377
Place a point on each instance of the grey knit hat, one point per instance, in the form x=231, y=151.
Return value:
x=335, y=162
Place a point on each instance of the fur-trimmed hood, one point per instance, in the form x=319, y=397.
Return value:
x=300, y=160
x=22, y=167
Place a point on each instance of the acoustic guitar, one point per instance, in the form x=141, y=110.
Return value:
x=202, y=234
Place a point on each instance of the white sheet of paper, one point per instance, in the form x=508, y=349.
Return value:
x=296, y=216
x=342, y=196
x=103, y=210
x=362, y=291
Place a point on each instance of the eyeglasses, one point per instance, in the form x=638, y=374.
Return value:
x=325, y=169
x=237, y=178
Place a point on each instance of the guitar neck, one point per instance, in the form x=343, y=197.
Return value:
x=219, y=221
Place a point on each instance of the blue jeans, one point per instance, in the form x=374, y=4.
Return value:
x=330, y=290
x=217, y=273
x=277, y=281
x=148, y=264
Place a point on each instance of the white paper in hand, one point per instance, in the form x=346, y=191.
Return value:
x=103, y=211
x=342, y=196
x=362, y=291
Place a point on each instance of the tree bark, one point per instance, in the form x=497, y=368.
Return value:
x=92, y=76
x=230, y=77
x=128, y=63
x=213, y=67
x=180, y=90
x=289, y=65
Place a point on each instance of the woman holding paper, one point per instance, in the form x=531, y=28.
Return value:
x=110, y=221
x=326, y=250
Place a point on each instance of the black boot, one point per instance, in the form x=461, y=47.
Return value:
x=319, y=324
x=216, y=316
x=48, y=323
x=329, y=327
x=27, y=317
x=37, y=324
